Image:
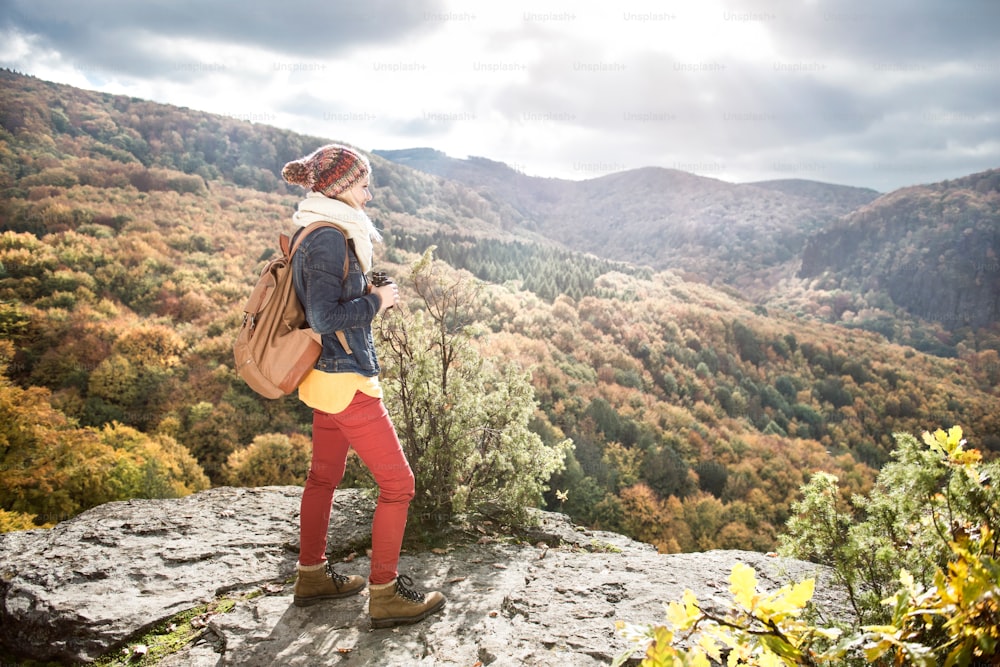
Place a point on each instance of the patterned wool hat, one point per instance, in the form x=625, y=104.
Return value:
x=329, y=170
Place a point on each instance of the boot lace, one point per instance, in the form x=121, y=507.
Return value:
x=404, y=589
x=338, y=579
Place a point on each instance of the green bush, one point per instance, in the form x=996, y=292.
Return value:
x=921, y=502
x=463, y=418
x=918, y=557
x=271, y=459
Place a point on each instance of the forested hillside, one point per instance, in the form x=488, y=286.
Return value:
x=132, y=232
x=933, y=249
x=918, y=266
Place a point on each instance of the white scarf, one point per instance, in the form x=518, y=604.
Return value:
x=355, y=223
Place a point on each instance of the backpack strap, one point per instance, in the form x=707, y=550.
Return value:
x=298, y=237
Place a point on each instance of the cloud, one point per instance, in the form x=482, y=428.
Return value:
x=791, y=89
x=890, y=31
x=147, y=38
x=873, y=94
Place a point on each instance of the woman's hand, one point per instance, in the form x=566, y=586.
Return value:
x=388, y=296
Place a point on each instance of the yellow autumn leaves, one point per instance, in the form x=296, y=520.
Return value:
x=762, y=629
x=952, y=446
x=951, y=619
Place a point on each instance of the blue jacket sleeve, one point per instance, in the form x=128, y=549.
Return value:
x=331, y=303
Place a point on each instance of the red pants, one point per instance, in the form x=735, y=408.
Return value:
x=364, y=426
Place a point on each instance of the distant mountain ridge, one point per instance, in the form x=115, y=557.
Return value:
x=703, y=228
x=933, y=250
x=840, y=196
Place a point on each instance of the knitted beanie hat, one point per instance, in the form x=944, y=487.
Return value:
x=329, y=170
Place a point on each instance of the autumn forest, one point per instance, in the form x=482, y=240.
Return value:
x=131, y=233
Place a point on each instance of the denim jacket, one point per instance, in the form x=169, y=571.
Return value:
x=332, y=304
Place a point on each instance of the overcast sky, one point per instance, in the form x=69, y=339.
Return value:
x=874, y=94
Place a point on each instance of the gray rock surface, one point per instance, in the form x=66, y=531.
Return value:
x=90, y=585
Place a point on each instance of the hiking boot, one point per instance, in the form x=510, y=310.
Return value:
x=311, y=586
x=397, y=603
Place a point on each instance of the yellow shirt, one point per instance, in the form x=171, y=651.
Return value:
x=333, y=392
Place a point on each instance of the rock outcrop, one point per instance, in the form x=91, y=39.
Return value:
x=95, y=583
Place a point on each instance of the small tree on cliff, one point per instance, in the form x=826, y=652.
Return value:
x=462, y=417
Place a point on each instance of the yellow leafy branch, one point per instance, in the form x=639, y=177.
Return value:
x=956, y=619
x=761, y=629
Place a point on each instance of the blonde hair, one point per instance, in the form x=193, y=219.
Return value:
x=348, y=198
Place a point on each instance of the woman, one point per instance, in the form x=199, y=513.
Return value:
x=344, y=391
